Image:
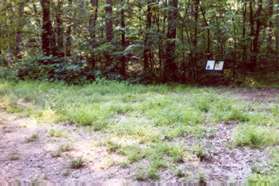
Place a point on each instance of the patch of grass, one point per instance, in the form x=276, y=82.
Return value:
x=173, y=151
x=180, y=173
x=255, y=136
x=88, y=115
x=14, y=156
x=56, y=154
x=155, y=165
x=201, y=153
x=56, y=133
x=77, y=163
x=182, y=130
x=65, y=148
x=112, y=147
x=137, y=128
x=46, y=115
x=235, y=114
x=141, y=174
x=34, y=137
x=204, y=102
x=269, y=176
x=264, y=119
x=133, y=153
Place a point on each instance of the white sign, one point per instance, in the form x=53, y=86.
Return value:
x=219, y=65
x=213, y=65
x=210, y=65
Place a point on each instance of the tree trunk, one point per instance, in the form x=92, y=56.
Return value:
x=270, y=28
x=251, y=19
x=109, y=29
x=123, y=41
x=59, y=29
x=47, y=34
x=244, y=43
x=170, y=67
x=109, y=23
x=195, y=10
x=208, y=48
x=19, y=30
x=147, y=50
x=277, y=30
x=257, y=33
x=92, y=31
x=68, y=43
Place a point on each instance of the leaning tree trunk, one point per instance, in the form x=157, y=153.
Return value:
x=47, y=34
x=170, y=67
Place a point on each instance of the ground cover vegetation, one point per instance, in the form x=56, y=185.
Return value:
x=149, y=122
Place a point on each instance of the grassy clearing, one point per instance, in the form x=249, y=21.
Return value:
x=143, y=121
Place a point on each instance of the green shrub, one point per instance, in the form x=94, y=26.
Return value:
x=55, y=69
x=8, y=73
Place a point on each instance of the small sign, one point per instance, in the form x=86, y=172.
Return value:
x=213, y=65
x=219, y=65
x=210, y=65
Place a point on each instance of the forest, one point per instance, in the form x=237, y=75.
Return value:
x=142, y=41
x=131, y=92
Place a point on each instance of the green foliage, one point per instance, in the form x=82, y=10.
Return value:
x=55, y=69
x=8, y=73
x=255, y=137
x=133, y=153
x=77, y=163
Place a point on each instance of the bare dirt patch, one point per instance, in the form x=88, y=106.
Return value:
x=39, y=159
x=35, y=159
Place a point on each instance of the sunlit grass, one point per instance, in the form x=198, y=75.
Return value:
x=143, y=122
x=255, y=136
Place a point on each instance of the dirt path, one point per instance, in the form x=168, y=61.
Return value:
x=27, y=152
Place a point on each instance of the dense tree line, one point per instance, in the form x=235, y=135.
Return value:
x=165, y=40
